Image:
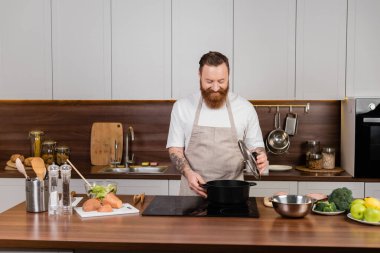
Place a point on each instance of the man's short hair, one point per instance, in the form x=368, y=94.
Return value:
x=213, y=58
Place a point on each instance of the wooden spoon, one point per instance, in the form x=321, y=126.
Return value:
x=39, y=168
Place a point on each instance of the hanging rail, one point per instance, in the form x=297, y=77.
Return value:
x=306, y=106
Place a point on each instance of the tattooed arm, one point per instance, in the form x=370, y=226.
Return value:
x=194, y=180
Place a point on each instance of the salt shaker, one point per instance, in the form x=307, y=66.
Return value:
x=65, y=205
x=53, y=171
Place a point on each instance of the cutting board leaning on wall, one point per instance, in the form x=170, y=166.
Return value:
x=103, y=137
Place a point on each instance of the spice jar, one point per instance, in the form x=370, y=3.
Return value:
x=315, y=162
x=313, y=147
x=62, y=154
x=48, y=151
x=328, y=158
x=35, y=142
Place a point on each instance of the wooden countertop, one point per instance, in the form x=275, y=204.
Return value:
x=269, y=233
x=91, y=172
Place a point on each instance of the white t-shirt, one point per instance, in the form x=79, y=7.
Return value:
x=244, y=114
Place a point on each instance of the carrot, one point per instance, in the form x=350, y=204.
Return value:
x=105, y=208
x=112, y=200
x=91, y=205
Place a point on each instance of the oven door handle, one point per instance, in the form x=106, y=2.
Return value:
x=371, y=120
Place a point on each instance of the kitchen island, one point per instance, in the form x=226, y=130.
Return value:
x=136, y=233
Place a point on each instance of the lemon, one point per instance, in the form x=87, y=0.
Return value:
x=372, y=202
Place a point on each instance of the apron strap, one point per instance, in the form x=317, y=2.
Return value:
x=230, y=117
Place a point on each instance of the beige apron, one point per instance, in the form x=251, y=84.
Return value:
x=213, y=152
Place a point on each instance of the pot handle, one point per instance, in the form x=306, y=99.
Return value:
x=204, y=185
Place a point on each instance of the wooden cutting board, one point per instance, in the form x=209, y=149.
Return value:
x=103, y=136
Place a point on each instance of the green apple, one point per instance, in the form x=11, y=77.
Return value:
x=357, y=211
x=372, y=215
x=357, y=201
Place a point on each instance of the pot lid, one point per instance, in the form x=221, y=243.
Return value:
x=249, y=159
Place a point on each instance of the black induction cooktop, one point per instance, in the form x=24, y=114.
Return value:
x=198, y=207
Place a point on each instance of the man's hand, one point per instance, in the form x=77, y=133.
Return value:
x=261, y=159
x=194, y=180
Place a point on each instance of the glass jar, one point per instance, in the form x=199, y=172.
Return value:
x=328, y=158
x=313, y=147
x=35, y=137
x=315, y=161
x=48, y=151
x=62, y=154
x=53, y=189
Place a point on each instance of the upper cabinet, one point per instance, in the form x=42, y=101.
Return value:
x=81, y=37
x=321, y=49
x=141, y=49
x=264, y=48
x=199, y=26
x=25, y=49
x=363, y=48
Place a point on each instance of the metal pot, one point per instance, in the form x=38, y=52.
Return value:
x=278, y=140
x=228, y=191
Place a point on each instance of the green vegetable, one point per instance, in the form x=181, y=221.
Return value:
x=100, y=191
x=325, y=206
x=342, y=198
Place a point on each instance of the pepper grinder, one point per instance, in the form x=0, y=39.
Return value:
x=53, y=189
x=65, y=204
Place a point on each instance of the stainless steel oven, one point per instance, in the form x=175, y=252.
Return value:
x=360, y=137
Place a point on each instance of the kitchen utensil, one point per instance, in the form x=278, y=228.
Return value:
x=37, y=195
x=21, y=168
x=103, y=137
x=77, y=171
x=228, y=191
x=277, y=141
x=291, y=123
x=249, y=159
x=39, y=168
x=292, y=206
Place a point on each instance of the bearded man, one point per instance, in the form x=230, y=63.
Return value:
x=205, y=128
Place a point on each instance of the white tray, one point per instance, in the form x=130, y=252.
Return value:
x=363, y=221
x=125, y=209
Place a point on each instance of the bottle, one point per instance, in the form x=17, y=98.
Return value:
x=35, y=142
x=48, y=151
x=328, y=158
x=62, y=154
x=65, y=204
x=313, y=147
x=53, y=171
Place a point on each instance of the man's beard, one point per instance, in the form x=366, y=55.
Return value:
x=214, y=99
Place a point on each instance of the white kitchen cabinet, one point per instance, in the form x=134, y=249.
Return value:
x=81, y=47
x=174, y=186
x=268, y=188
x=363, y=48
x=141, y=49
x=321, y=49
x=128, y=186
x=357, y=188
x=372, y=190
x=25, y=49
x=199, y=26
x=13, y=192
x=264, y=48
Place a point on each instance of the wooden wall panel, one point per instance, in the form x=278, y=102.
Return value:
x=69, y=122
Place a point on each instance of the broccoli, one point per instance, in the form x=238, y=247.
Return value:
x=325, y=206
x=342, y=198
